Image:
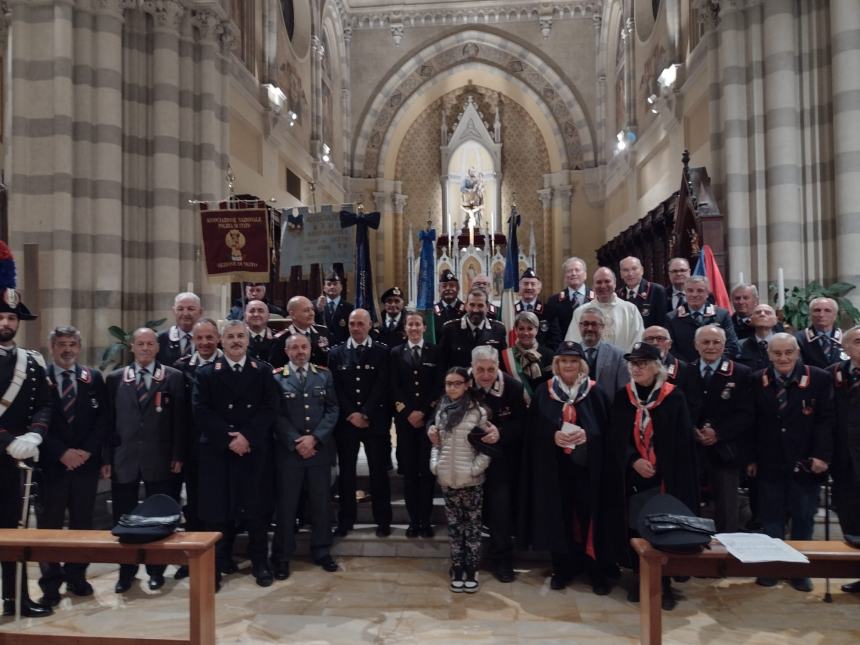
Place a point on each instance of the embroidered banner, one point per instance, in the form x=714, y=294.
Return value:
x=236, y=241
x=315, y=238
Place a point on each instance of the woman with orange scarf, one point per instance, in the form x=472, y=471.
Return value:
x=653, y=435
x=565, y=506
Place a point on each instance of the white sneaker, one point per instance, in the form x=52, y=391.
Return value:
x=470, y=584
x=456, y=579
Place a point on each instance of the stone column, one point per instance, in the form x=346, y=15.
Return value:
x=398, y=202
x=844, y=30
x=783, y=173
x=317, y=54
x=346, y=99
x=546, y=270
x=384, y=269
x=629, y=36
x=562, y=220
x=600, y=99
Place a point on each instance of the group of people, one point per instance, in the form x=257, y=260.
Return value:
x=608, y=396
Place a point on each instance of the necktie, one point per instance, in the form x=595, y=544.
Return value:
x=258, y=338
x=329, y=308
x=781, y=393
x=576, y=297
x=475, y=334
x=590, y=359
x=237, y=369
x=762, y=345
x=359, y=350
x=302, y=375
x=631, y=293
x=680, y=300
x=68, y=396
x=416, y=354
x=708, y=373
x=529, y=307
x=187, y=349
x=142, y=389
x=697, y=316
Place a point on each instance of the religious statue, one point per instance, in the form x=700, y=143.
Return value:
x=472, y=198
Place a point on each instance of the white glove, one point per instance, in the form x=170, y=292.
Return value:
x=25, y=447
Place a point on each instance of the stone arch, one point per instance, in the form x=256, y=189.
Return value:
x=474, y=46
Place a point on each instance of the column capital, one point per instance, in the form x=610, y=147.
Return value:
x=597, y=21
x=563, y=194
x=114, y=8
x=545, y=197
x=382, y=200
x=208, y=25
x=317, y=47
x=708, y=11
x=347, y=35
x=167, y=14
x=399, y=200
x=228, y=35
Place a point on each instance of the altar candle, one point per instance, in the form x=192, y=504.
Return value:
x=741, y=277
x=190, y=287
x=780, y=288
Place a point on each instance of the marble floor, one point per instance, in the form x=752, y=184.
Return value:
x=405, y=600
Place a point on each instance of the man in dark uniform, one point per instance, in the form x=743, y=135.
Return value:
x=697, y=312
x=302, y=313
x=174, y=343
x=304, y=452
x=794, y=429
x=503, y=397
x=449, y=307
x=391, y=330
x=677, y=371
x=26, y=407
x=253, y=291
x=560, y=306
x=846, y=449
x=721, y=409
x=744, y=301
x=821, y=342
x=649, y=297
x=206, y=338
x=360, y=368
x=482, y=282
x=752, y=350
x=71, y=456
x=261, y=336
x=679, y=271
x=549, y=335
x=235, y=403
x=332, y=310
x=147, y=437
x=416, y=384
x=460, y=337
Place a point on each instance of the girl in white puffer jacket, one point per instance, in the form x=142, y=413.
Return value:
x=459, y=469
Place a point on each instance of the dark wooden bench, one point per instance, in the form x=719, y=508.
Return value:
x=197, y=550
x=826, y=559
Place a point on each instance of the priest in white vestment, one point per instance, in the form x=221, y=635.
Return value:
x=623, y=322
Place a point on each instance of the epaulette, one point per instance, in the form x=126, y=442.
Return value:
x=453, y=321
x=381, y=344
x=36, y=356
x=318, y=368
x=282, y=332
x=726, y=368
x=86, y=376
x=285, y=370
x=437, y=310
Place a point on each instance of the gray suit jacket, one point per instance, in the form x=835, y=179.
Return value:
x=305, y=409
x=612, y=374
x=145, y=438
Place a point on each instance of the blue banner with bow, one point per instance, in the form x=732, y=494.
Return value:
x=363, y=274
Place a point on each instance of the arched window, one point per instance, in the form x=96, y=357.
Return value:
x=289, y=16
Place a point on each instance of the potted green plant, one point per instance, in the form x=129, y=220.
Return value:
x=117, y=352
x=796, y=309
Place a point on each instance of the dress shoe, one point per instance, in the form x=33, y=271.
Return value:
x=341, y=531
x=383, y=530
x=633, y=593
x=50, y=599
x=181, y=573
x=122, y=585
x=327, y=563
x=79, y=587
x=228, y=567
x=29, y=609
x=851, y=587
x=504, y=572
x=155, y=583
x=558, y=581
x=426, y=531
x=668, y=601
x=802, y=584
x=763, y=581
x=600, y=587
x=412, y=531
x=263, y=575
x=281, y=571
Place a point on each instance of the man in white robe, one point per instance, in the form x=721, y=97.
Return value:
x=623, y=322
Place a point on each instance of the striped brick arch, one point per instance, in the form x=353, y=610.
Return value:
x=474, y=47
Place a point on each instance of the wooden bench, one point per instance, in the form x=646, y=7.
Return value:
x=826, y=559
x=197, y=550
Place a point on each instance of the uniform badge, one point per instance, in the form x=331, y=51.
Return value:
x=808, y=409
x=400, y=406
x=158, y=407
x=322, y=342
x=94, y=403
x=217, y=366
x=342, y=322
x=646, y=311
x=254, y=364
x=726, y=393
x=11, y=298
x=544, y=326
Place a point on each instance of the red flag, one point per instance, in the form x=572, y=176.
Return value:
x=707, y=266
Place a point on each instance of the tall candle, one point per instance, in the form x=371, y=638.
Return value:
x=780, y=288
x=190, y=287
x=741, y=277
x=224, y=291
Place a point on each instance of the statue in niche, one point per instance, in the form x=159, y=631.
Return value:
x=472, y=198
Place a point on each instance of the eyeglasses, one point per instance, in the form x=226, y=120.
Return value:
x=655, y=339
x=679, y=270
x=586, y=323
x=454, y=383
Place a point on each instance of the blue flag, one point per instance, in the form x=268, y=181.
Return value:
x=363, y=276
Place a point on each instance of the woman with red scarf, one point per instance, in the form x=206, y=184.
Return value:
x=564, y=506
x=653, y=438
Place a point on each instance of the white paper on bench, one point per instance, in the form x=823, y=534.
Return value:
x=757, y=547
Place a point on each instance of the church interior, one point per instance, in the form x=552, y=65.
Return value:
x=586, y=117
